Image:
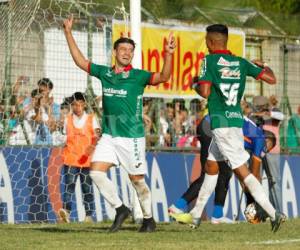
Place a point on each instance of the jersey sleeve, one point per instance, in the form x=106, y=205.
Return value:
x=205, y=76
x=146, y=77
x=96, y=70
x=253, y=70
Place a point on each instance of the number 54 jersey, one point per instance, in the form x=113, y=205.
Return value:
x=226, y=74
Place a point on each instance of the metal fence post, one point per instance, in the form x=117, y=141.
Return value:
x=7, y=84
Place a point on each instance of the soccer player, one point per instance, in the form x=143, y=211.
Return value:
x=81, y=130
x=123, y=140
x=222, y=80
x=256, y=141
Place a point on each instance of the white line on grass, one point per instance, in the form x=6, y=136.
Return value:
x=273, y=242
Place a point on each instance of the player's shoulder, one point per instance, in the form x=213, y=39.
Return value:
x=99, y=67
x=140, y=71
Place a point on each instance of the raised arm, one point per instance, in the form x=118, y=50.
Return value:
x=267, y=75
x=164, y=75
x=77, y=56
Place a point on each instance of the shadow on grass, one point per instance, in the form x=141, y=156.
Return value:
x=96, y=229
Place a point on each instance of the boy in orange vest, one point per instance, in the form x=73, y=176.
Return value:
x=82, y=134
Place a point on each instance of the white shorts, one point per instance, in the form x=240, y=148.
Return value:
x=127, y=152
x=227, y=144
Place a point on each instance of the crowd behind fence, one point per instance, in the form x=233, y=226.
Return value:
x=32, y=114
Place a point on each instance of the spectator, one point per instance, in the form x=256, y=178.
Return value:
x=149, y=123
x=45, y=87
x=82, y=134
x=293, y=132
x=58, y=135
x=269, y=117
x=167, y=128
x=41, y=118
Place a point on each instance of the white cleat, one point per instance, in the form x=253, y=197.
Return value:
x=222, y=220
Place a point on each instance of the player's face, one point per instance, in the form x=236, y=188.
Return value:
x=124, y=54
x=209, y=43
x=78, y=107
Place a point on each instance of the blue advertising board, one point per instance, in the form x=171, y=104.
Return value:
x=31, y=186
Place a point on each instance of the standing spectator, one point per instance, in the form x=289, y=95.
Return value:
x=271, y=116
x=293, y=132
x=123, y=140
x=82, y=134
x=44, y=112
x=167, y=128
x=45, y=87
x=40, y=116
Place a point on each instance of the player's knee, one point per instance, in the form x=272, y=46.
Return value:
x=141, y=187
x=211, y=167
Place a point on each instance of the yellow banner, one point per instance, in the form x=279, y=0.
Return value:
x=190, y=51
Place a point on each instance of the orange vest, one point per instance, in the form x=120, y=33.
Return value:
x=78, y=142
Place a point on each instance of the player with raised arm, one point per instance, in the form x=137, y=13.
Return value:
x=123, y=140
x=222, y=80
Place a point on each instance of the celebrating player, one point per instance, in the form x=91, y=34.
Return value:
x=222, y=80
x=123, y=140
x=256, y=141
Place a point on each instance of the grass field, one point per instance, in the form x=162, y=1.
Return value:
x=168, y=236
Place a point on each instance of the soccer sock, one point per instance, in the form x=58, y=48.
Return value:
x=206, y=190
x=259, y=195
x=249, y=198
x=181, y=204
x=221, y=189
x=144, y=195
x=193, y=190
x=218, y=211
x=106, y=188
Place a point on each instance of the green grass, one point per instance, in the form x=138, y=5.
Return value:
x=168, y=236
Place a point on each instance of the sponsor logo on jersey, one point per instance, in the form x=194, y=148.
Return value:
x=233, y=114
x=203, y=68
x=228, y=73
x=125, y=74
x=115, y=92
x=224, y=62
x=109, y=73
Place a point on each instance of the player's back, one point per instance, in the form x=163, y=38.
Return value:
x=227, y=74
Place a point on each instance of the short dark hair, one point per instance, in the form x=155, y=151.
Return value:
x=78, y=96
x=124, y=40
x=34, y=93
x=218, y=28
x=45, y=82
x=195, y=105
x=271, y=136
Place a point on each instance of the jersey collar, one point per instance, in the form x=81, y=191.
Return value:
x=225, y=51
x=126, y=68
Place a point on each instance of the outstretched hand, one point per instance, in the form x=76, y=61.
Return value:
x=68, y=23
x=171, y=45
